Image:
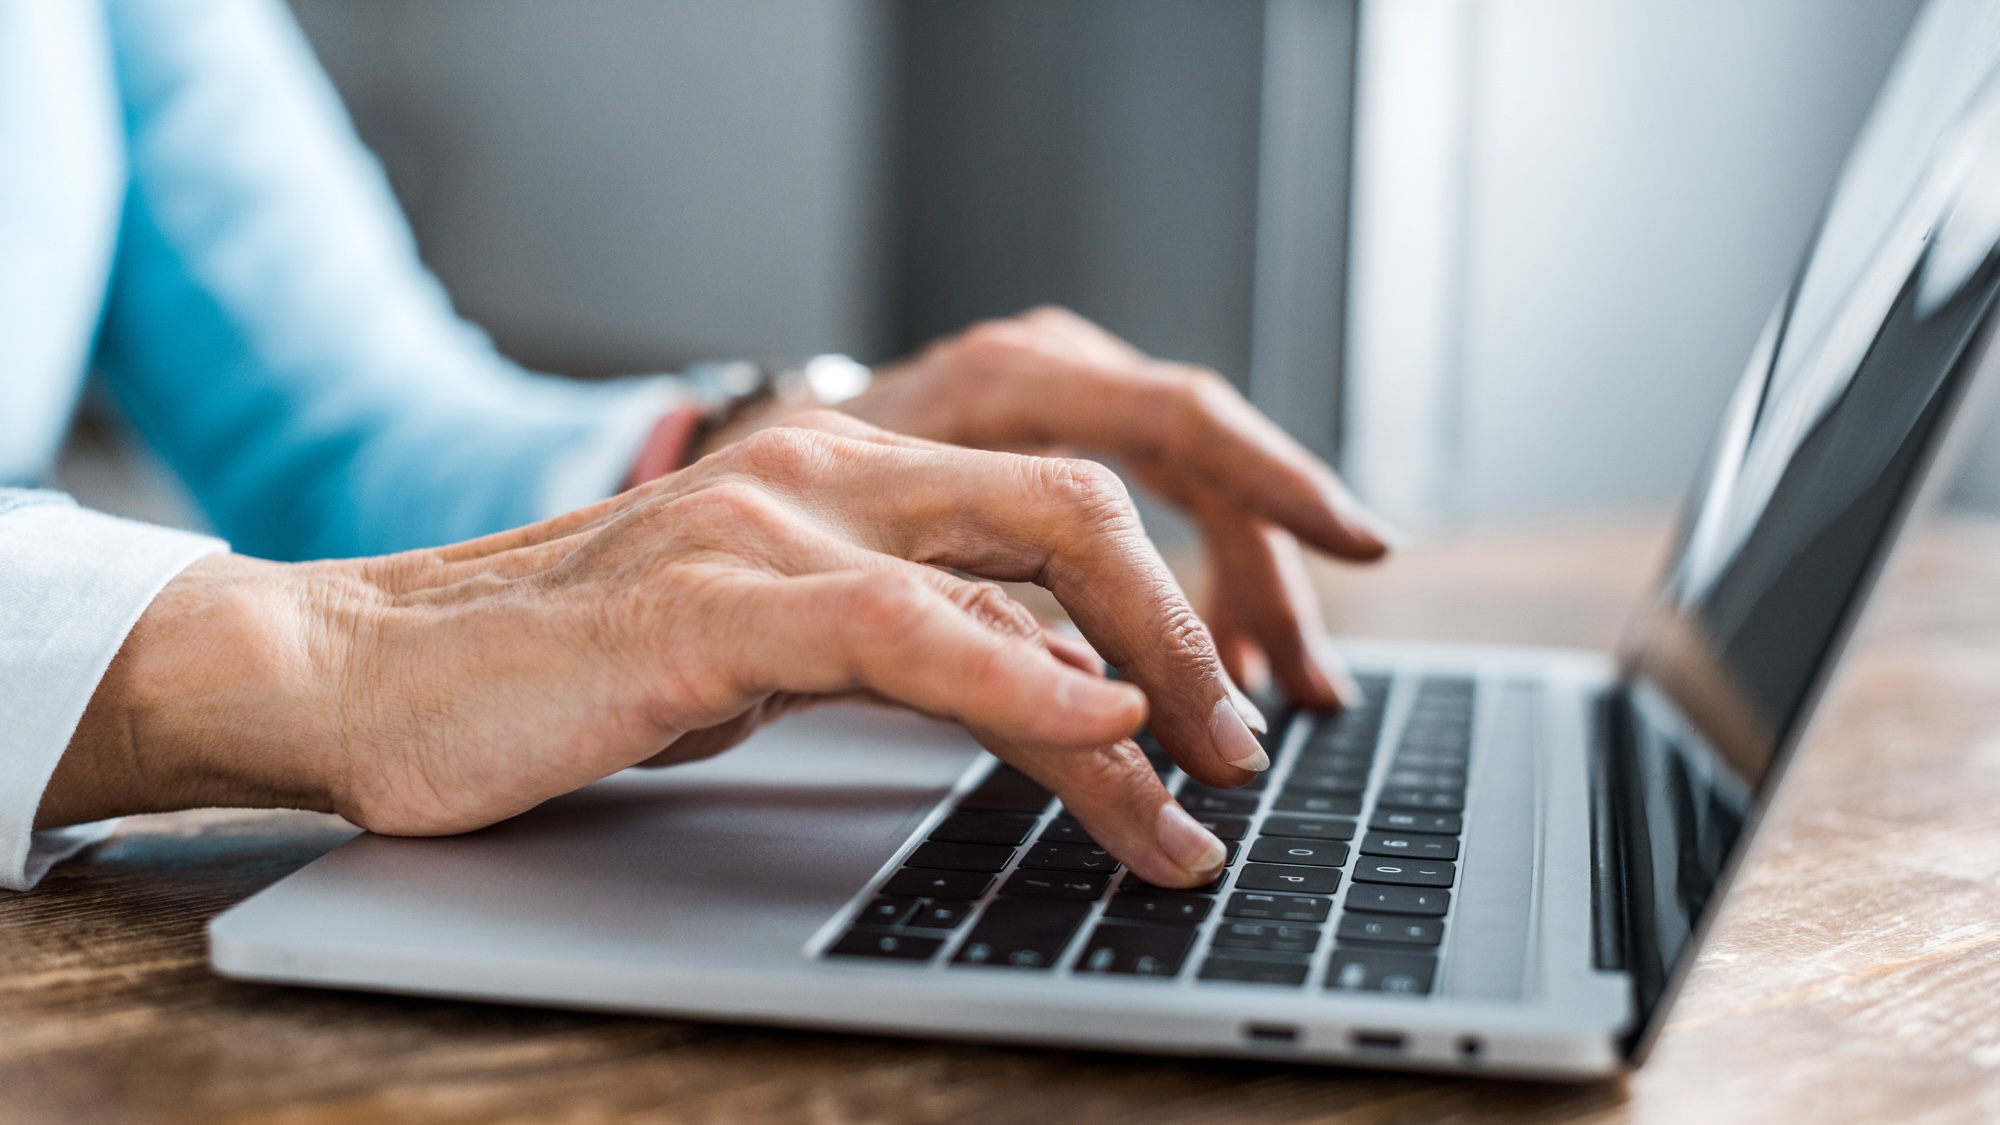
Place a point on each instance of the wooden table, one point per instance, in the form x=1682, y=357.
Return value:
x=1855, y=977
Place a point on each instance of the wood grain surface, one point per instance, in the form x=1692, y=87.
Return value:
x=1855, y=975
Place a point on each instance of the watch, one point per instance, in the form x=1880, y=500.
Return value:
x=727, y=390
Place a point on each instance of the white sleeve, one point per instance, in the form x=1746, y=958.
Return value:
x=72, y=584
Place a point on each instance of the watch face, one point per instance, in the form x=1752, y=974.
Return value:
x=836, y=378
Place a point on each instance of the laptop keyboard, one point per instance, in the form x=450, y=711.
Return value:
x=1005, y=880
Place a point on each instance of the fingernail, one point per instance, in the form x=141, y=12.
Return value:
x=1093, y=697
x=1187, y=843
x=1246, y=710
x=1232, y=738
x=1384, y=532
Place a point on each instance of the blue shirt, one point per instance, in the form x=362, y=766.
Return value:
x=184, y=207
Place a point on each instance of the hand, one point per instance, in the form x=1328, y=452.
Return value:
x=1051, y=381
x=441, y=690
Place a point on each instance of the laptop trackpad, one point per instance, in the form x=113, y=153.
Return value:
x=740, y=858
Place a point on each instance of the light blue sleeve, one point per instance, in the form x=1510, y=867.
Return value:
x=272, y=333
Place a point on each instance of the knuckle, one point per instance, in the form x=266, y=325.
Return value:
x=1201, y=389
x=1119, y=768
x=1087, y=489
x=988, y=604
x=736, y=505
x=782, y=454
x=990, y=339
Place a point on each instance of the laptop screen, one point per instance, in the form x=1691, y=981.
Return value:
x=1820, y=452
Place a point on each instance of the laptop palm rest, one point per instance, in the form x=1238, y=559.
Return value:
x=732, y=860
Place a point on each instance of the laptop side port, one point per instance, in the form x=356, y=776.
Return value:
x=1378, y=1040
x=1470, y=1048
x=1272, y=1034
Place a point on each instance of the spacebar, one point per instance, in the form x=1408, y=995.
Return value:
x=1022, y=933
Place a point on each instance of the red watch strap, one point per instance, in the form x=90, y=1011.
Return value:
x=667, y=447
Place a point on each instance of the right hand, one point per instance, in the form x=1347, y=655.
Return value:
x=438, y=691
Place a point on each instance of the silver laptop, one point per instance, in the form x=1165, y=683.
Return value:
x=1503, y=862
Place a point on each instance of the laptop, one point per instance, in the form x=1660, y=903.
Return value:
x=1504, y=861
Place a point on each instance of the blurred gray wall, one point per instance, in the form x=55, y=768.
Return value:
x=628, y=184
x=625, y=184
x=1098, y=155
x=1626, y=189
x=1646, y=178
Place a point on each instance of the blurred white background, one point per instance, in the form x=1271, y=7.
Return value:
x=1568, y=218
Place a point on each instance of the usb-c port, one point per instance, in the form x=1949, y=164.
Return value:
x=1378, y=1040
x=1271, y=1032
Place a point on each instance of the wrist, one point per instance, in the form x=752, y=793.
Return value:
x=225, y=693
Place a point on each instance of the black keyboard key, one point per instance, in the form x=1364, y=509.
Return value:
x=1409, y=820
x=1391, y=928
x=893, y=947
x=1319, y=804
x=1309, y=853
x=1425, y=800
x=1022, y=933
x=960, y=857
x=1410, y=843
x=1326, y=762
x=1404, y=872
x=1069, y=857
x=985, y=828
x=938, y=884
x=1309, y=827
x=1370, y=970
x=1278, y=907
x=1066, y=830
x=888, y=910
x=1300, y=880
x=1158, y=906
x=1244, y=968
x=1402, y=777
x=1338, y=784
x=1145, y=951
x=1270, y=936
x=1007, y=789
x=1452, y=760
x=1203, y=801
x=1077, y=887
x=1132, y=882
x=1226, y=827
x=1456, y=743
x=1383, y=899
x=943, y=914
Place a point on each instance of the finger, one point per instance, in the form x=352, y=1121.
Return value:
x=902, y=638
x=1164, y=414
x=1082, y=338
x=1114, y=792
x=1241, y=657
x=1072, y=651
x=1067, y=525
x=707, y=742
x=1260, y=584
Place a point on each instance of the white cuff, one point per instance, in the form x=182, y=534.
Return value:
x=72, y=585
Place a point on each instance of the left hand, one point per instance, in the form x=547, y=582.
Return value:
x=1050, y=381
